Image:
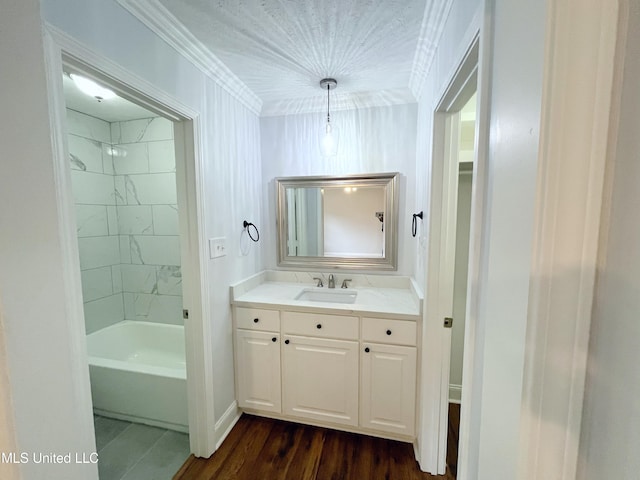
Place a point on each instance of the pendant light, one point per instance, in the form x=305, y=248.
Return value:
x=330, y=135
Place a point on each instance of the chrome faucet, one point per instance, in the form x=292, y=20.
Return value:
x=319, y=284
x=344, y=283
x=332, y=282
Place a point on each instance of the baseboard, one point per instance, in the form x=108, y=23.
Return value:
x=455, y=393
x=226, y=423
x=416, y=453
x=143, y=420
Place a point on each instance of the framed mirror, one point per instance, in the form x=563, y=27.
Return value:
x=348, y=222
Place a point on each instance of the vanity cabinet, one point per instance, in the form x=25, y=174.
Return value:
x=358, y=372
x=257, y=352
x=320, y=379
x=388, y=386
x=388, y=375
x=320, y=367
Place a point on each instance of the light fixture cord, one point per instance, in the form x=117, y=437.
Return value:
x=328, y=115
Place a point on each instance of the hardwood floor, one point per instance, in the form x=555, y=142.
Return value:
x=264, y=449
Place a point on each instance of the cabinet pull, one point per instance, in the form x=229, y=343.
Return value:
x=366, y=349
x=274, y=339
x=318, y=326
x=256, y=320
x=287, y=342
x=388, y=332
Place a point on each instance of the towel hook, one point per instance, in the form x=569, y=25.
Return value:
x=414, y=223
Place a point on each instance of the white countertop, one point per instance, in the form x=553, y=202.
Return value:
x=402, y=303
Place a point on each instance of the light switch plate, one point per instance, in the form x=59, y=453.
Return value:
x=217, y=247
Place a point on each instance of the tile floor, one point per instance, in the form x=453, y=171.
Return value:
x=130, y=451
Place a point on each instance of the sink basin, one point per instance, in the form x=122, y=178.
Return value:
x=329, y=296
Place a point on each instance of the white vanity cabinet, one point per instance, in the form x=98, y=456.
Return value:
x=320, y=367
x=257, y=352
x=388, y=376
x=328, y=368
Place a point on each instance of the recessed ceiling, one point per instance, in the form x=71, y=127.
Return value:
x=115, y=109
x=281, y=49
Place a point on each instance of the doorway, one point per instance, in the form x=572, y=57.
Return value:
x=66, y=55
x=451, y=260
x=465, y=156
x=123, y=177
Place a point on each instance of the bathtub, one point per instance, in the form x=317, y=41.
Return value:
x=138, y=373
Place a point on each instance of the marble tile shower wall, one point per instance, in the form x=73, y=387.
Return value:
x=123, y=177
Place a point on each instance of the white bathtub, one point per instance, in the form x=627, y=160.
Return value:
x=138, y=373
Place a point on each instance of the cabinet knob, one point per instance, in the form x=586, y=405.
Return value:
x=388, y=332
x=318, y=326
x=366, y=349
x=256, y=320
x=287, y=342
x=274, y=339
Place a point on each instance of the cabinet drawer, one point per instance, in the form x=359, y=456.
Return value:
x=320, y=325
x=382, y=330
x=258, y=319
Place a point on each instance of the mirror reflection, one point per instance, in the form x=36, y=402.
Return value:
x=336, y=221
x=346, y=222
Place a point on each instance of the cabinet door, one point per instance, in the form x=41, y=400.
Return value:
x=258, y=370
x=388, y=392
x=320, y=379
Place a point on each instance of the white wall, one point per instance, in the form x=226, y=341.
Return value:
x=610, y=437
x=41, y=371
x=516, y=91
x=453, y=43
x=8, y=471
x=372, y=140
x=516, y=44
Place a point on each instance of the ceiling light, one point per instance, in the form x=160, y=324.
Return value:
x=91, y=88
x=330, y=135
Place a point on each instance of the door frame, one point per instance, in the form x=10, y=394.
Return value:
x=575, y=171
x=468, y=75
x=61, y=49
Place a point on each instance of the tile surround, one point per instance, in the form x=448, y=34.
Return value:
x=135, y=220
x=92, y=188
x=87, y=154
x=98, y=251
x=91, y=220
x=102, y=312
x=162, y=156
x=124, y=185
x=153, y=308
x=135, y=159
x=88, y=127
x=96, y=283
x=151, y=189
x=155, y=250
x=144, y=130
x=165, y=219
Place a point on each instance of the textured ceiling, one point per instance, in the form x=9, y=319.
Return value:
x=282, y=48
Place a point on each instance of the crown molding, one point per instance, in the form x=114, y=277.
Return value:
x=339, y=101
x=164, y=24
x=435, y=16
